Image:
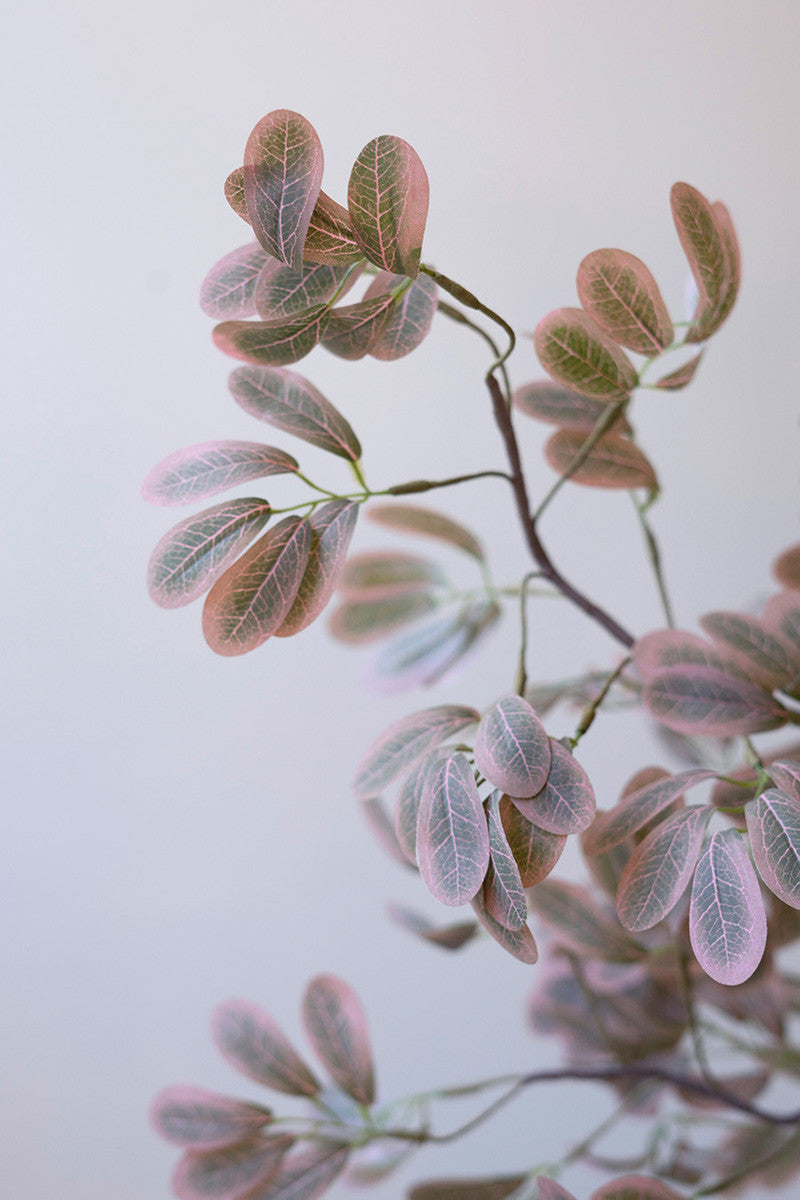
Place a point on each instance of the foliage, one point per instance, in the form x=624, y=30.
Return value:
x=668, y=958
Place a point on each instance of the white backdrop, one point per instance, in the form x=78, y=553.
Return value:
x=179, y=827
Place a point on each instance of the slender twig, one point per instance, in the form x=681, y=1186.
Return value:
x=655, y=558
x=590, y=711
x=469, y=300
x=460, y=318
x=603, y=424
x=427, y=485
x=522, y=675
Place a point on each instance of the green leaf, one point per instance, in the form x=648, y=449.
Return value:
x=660, y=868
x=332, y=527
x=282, y=174
x=413, y=518
x=406, y=742
x=727, y=922
x=619, y=292
x=682, y=376
x=356, y=621
x=452, y=838
x=252, y=599
x=709, y=242
x=196, y=472
x=613, y=462
x=195, y=552
x=512, y=749
x=387, y=197
x=566, y=803
x=503, y=894
x=283, y=292
x=234, y=193
x=330, y=236
x=575, y=351
x=773, y=822
x=289, y=402
x=272, y=343
x=229, y=288
x=337, y=1028
x=253, y=1043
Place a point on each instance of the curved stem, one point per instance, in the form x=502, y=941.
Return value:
x=601, y=426
x=469, y=300
x=456, y=315
x=522, y=675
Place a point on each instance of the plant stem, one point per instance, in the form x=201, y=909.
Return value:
x=590, y=711
x=469, y=300
x=603, y=424
x=456, y=315
x=655, y=557
x=522, y=676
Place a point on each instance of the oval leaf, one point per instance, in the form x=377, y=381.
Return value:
x=519, y=943
x=512, y=749
x=272, y=343
x=330, y=237
x=282, y=174
x=366, y=620
x=765, y=657
x=782, y=617
x=618, y=290
x=535, y=851
x=252, y=599
x=282, y=292
x=380, y=825
x=229, y=1173
x=727, y=922
x=636, y=808
x=580, y=924
x=228, y=290
x=195, y=552
x=289, y=402
x=452, y=838
x=677, y=648
x=635, y=1187
x=566, y=803
x=786, y=568
x=253, y=1043
x=353, y=329
x=422, y=656
x=373, y=576
x=410, y=317
x=709, y=702
x=613, y=462
x=197, y=472
x=503, y=894
x=575, y=351
x=408, y=741
x=546, y=401
x=387, y=198
x=709, y=242
x=192, y=1116
x=413, y=518
x=336, y=1026
x=496, y=1188
x=658, y=872
x=306, y=1175
x=332, y=528
x=773, y=822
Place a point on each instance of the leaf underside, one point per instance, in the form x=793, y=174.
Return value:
x=727, y=922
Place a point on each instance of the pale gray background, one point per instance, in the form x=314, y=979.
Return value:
x=180, y=827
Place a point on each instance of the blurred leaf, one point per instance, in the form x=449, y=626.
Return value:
x=282, y=174
x=252, y=599
x=575, y=351
x=635, y=1187
x=727, y=922
x=503, y=894
x=773, y=822
x=449, y=937
x=548, y=1189
x=413, y=518
x=330, y=236
x=335, y=1023
x=682, y=376
x=332, y=526
x=786, y=567
x=613, y=462
x=406, y=742
x=387, y=197
x=192, y=1116
x=252, y=1042
x=195, y=472
x=620, y=293
x=359, y=621
x=709, y=242
x=546, y=401
x=353, y=329
x=677, y=648
x=660, y=868
x=423, y=655
x=580, y=924
x=782, y=617
x=406, y=810
x=228, y=289
x=272, y=343
x=709, y=702
x=535, y=851
x=195, y=552
x=231, y=1172
x=381, y=826
x=494, y=1188
x=307, y=1174
x=452, y=838
x=764, y=656
x=785, y=775
x=234, y=193
x=566, y=803
x=512, y=749
x=375, y=575
x=519, y=943
x=410, y=318
x=635, y=809
x=283, y=292
x=289, y=402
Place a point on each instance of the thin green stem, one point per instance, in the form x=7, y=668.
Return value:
x=427, y=485
x=522, y=677
x=590, y=711
x=456, y=315
x=469, y=300
x=655, y=556
x=602, y=425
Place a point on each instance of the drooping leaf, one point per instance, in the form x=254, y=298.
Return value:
x=289, y=402
x=193, y=1116
x=519, y=943
x=196, y=472
x=503, y=894
x=709, y=702
x=767, y=659
x=305, y=1175
x=282, y=174
x=613, y=462
x=660, y=868
x=413, y=518
x=424, y=654
x=535, y=851
x=230, y=1173
x=330, y=236
x=495, y=1188
x=635, y=1187
x=234, y=193
x=353, y=329
x=228, y=290
x=620, y=293
x=452, y=838
x=410, y=318
x=332, y=527
x=635, y=809
x=408, y=741
x=786, y=568
x=512, y=749
x=272, y=343
x=381, y=826
x=681, y=376
x=195, y=552
x=449, y=937
x=387, y=198
x=546, y=401
x=709, y=243
x=773, y=822
x=357, y=621
x=252, y=599
x=337, y=1028
x=252, y=1042
x=575, y=351
x=375, y=575
x=727, y=922
x=283, y=292
x=570, y=910
x=566, y=803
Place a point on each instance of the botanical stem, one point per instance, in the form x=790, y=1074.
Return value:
x=522, y=676
x=655, y=558
x=466, y=298
x=456, y=315
x=590, y=711
x=427, y=485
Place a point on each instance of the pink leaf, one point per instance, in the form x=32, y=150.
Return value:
x=613, y=462
x=234, y=193
x=580, y=924
x=282, y=174
x=452, y=839
x=376, y=575
x=677, y=648
x=635, y=1187
x=658, y=872
x=381, y=827
x=335, y=1023
x=575, y=351
x=512, y=749
x=229, y=1173
x=387, y=197
x=682, y=376
x=358, y=621
x=711, y=703
x=494, y=1188
x=423, y=655
x=709, y=242
x=566, y=803
x=410, y=318
x=283, y=292
x=535, y=851
x=406, y=742
x=546, y=401
x=503, y=894
x=332, y=527
x=305, y=1175
x=253, y=1043
x=414, y=519
x=197, y=472
x=635, y=809
x=289, y=402
x=192, y=1116
x=727, y=922
x=773, y=822
x=618, y=290
x=272, y=343
x=449, y=937
x=519, y=943
x=353, y=329
x=330, y=237
x=765, y=657
x=228, y=290
x=786, y=567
